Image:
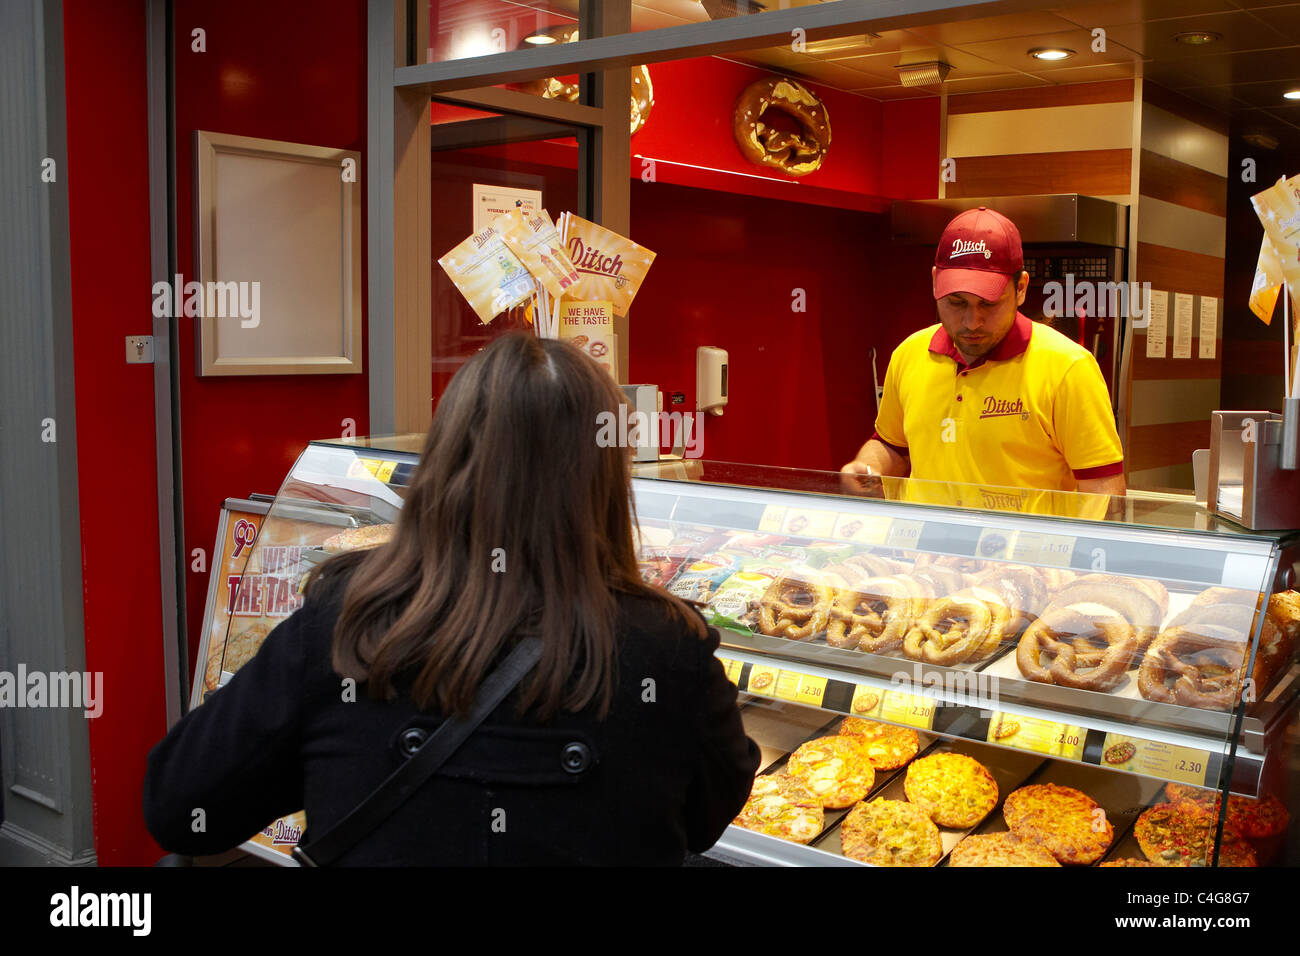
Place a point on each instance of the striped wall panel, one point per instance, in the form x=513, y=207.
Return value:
x=1091, y=172
x=1056, y=139
x=1181, y=217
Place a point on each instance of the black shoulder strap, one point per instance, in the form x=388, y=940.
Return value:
x=433, y=753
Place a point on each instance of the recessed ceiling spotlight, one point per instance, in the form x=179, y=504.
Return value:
x=539, y=39
x=1198, y=37
x=1291, y=95
x=1050, y=53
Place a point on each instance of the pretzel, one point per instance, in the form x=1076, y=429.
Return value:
x=1199, y=659
x=873, y=615
x=1066, y=634
x=1021, y=588
x=553, y=88
x=871, y=565
x=967, y=626
x=1140, y=602
x=795, y=605
x=936, y=581
x=795, y=153
x=958, y=563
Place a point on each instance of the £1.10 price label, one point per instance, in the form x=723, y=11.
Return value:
x=911, y=710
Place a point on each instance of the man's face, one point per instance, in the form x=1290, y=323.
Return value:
x=975, y=325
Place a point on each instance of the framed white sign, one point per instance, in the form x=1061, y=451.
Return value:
x=277, y=240
x=492, y=201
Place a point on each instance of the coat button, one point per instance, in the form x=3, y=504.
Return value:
x=412, y=739
x=576, y=757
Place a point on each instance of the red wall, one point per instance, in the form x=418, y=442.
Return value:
x=286, y=72
x=108, y=188
x=799, y=382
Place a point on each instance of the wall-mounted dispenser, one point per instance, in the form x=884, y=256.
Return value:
x=710, y=379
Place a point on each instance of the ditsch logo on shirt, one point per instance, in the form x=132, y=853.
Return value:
x=967, y=247
x=1003, y=408
x=1002, y=500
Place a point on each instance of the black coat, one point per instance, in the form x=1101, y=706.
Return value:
x=667, y=774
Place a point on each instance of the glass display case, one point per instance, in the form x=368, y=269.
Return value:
x=1093, y=674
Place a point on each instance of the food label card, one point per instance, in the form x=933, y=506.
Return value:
x=590, y=326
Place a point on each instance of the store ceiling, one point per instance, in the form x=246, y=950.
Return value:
x=1243, y=74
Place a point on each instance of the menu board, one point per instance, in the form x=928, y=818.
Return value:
x=1209, y=326
x=1182, y=325
x=1158, y=324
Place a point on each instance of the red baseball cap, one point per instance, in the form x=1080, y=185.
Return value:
x=978, y=252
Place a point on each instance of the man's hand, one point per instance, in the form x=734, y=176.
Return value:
x=859, y=478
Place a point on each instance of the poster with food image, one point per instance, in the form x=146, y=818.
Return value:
x=589, y=326
x=237, y=530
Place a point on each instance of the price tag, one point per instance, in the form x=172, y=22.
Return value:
x=732, y=669
x=869, y=529
x=866, y=701
x=1154, y=758
x=1034, y=547
x=385, y=471
x=371, y=465
x=904, y=534
x=1037, y=736
x=762, y=680
x=773, y=518
x=810, y=523
x=911, y=710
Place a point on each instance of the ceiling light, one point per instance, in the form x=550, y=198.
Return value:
x=539, y=39
x=1197, y=37
x=930, y=73
x=1261, y=140
x=1291, y=95
x=818, y=47
x=1050, y=53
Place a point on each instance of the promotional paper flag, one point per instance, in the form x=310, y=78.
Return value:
x=1268, y=282
x=610, y=267
x=488, y=274
x=1278, y=208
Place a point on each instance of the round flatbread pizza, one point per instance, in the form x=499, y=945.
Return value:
x=370, y=536
x=1128, y=861
x=837, y=770
x=889, y=747
x=999, y=849
x=781, y=806
x=1254, y=819
x=956, y=790
x=1182, y=834
x=891, y=833
x=1066, y=822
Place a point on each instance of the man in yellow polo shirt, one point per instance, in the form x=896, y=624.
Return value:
x=987, y=396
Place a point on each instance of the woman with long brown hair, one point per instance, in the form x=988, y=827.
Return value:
x=623, y=745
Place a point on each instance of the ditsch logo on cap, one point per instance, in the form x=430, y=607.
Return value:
x=978, y=252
